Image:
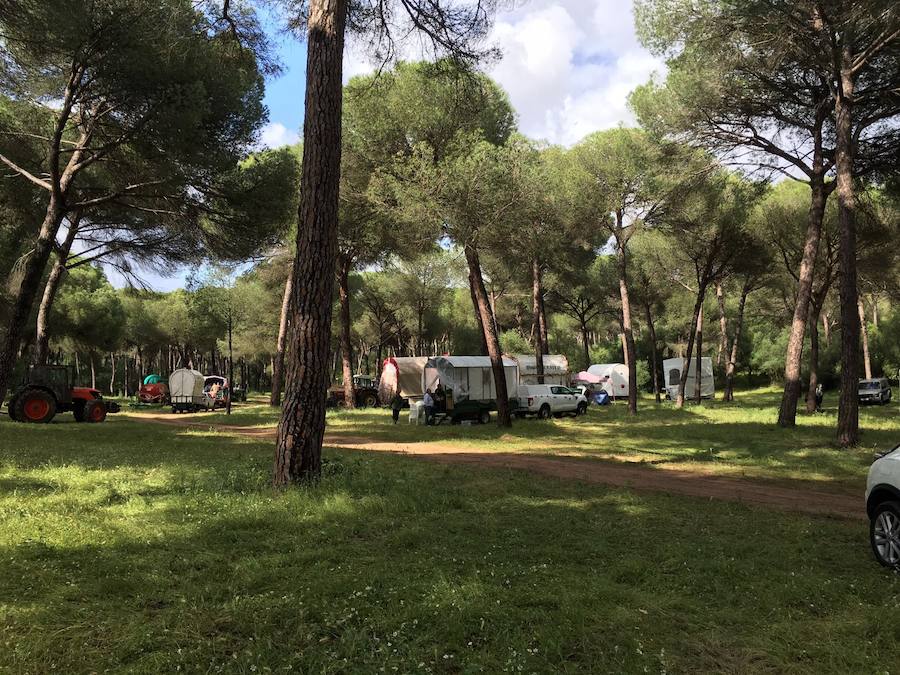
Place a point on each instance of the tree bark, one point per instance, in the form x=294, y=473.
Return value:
x=654, y=352
x=864, y=331
x=478, y=319
x=730, y=367
x=298, y=446
x=476, y=282
x=627, y=329
x=23, y=299
x=813, y=358
x=281, y=342
x=230, y=364
x=93, y=371
x=723, y=325
x=848, y=408
x=112, y=371
x=537, y=293
x=344, y=264
x=57, y=274
x=698, y=367
x=542, y=322
x=682, y=382
x=585, y=343
x=787, y=414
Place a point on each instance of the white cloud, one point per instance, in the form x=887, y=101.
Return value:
x=569, y=66
x=275, y=135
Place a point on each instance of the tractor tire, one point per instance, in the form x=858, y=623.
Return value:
x=35, y=406
x=369, y=401
x=78, y=410
x=94, y=412
x=12, y=410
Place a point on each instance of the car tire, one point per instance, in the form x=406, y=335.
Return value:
x=544, y=412
x=581, y=409
x=95, y=412
x=484, y=417
x=35, y=406
x=884, y=533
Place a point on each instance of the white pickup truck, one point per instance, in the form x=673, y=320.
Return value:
x=544, y=400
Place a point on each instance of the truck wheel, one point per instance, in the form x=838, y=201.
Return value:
x=94, y=412
x=35, y=406
x=544, y=412
x=484, y=417
x=582, y=409
x=369, y=401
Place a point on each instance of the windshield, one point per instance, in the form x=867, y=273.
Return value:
x=869, y=385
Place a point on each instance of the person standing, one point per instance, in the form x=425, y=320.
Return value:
x=396, y=406
x=428, y=400
x=440, y=399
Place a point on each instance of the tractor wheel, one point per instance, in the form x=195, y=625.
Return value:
x=369, y=401
x=94, y=412
x=78, y=410
x=12, y=410
x=35, y=406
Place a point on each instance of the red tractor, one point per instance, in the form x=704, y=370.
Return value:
x=48, y=390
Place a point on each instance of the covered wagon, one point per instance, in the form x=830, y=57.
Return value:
x=186, y=390
x=469, y=383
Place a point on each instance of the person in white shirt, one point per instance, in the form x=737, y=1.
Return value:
x=428, y=400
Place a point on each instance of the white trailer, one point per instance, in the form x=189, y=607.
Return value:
x=186, y=390
x=556, y=369
x=469, y=383
x=672, y=370
x=403, y=374
x=613, y=378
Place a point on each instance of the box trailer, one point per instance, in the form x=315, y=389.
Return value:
x=556, y=369
x=672, y=371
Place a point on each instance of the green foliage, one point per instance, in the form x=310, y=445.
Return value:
x=88, y=312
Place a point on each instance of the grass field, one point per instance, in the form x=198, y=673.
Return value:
x=132, y=547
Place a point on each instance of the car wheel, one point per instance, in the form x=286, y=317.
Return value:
x=35, y=406
x=484, y=417
x=884, y=533
x=544, y=412
x=582, y=409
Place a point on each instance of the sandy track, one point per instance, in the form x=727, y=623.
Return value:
x=792, y=495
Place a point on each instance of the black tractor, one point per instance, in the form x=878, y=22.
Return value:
x=48, y=390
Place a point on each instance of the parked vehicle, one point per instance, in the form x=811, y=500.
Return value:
x=186, y=390
x=611, y=378
x=672, y=369
x=48, y=390
x=883, y=507
x=544, y=400
x=239, y=392
x=216, y=390
x=403, y=374
x=876, y=390
x=153, y=390
x=364, y=390
x=468, y=382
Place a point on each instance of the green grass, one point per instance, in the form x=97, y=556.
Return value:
x=738, y=438
x=136, y=548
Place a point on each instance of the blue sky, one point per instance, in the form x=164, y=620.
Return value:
x=568, y=67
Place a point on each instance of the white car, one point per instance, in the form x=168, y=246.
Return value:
x=544, y=400
x=883, y=507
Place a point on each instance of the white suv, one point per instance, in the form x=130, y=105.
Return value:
x=544, y=400
x=883, y=507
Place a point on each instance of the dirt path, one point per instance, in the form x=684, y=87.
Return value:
x=793, y=495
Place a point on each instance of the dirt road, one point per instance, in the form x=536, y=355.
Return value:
x=789, y=495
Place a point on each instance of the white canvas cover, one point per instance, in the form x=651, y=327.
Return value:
x=613, y=378
x=186, y=386
x=470, y=378
x=556, y=369
x=403, y=374
x=672, y=372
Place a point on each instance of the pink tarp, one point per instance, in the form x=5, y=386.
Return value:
x=585, y=376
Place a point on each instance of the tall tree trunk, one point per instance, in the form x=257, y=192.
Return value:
x=281, y=342
x=478, y=319
x=787, y=414
x=814, y=310
x=698, y=367
x=537, y=293
x=112, y=373
x=723, y=325
x=344, y=264
x=848, y=408
x=24, y=297
x=42, y=336
x=230, y=364
x=585, y=343
x=542, y=323
x=731, y=366
x=826, y=328
x=93, y=371
x=654, y=352
x=630, y=355
x=476, y=282
x=298, y=446
x=682, y=382
x=864, y=331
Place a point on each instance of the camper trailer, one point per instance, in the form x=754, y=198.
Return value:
x=556, y=369
x=186, y=390
x=469, y=383
x=672, y=370
x=613, y=378
x=403, y=374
